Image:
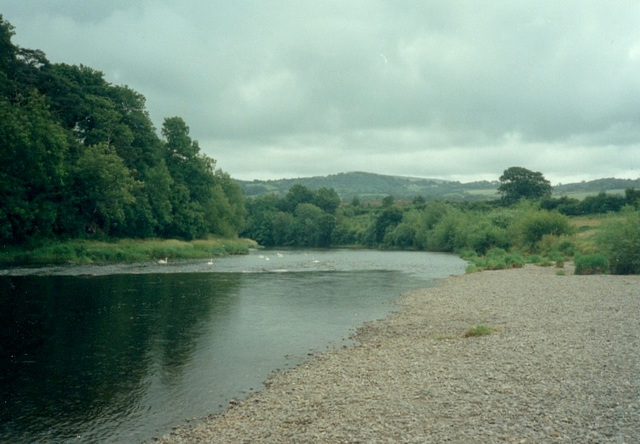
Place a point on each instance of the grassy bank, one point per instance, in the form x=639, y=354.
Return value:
x=122, y=250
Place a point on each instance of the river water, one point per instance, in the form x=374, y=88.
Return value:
x=122, y=353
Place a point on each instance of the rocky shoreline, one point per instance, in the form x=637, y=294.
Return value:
x=562, y=365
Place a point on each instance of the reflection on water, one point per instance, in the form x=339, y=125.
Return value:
x=123, y=357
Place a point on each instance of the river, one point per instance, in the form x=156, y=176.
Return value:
x=121, y=353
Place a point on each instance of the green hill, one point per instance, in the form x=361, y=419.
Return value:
x=374, y=187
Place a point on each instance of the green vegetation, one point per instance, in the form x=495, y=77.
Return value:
x=591, y=264
x=619, y=240
x=519, y=183
x=371, y=188
x=85, y=177
x=479, y=330
x=504, y=233
x=81, y=159
x=81, y=251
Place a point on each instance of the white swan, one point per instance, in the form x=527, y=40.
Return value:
x=210, y=261
x=163, y=261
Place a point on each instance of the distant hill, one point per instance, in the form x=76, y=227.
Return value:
x=609, y=185
x=374, y=187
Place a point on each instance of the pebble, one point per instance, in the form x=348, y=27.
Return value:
x=562, y=366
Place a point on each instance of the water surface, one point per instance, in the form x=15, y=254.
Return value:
x=122, y=353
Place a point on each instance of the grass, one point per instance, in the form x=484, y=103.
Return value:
x=591, y=264
x=123, y=250
x=479, y=330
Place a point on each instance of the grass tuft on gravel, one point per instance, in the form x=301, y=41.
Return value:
x=479, y=330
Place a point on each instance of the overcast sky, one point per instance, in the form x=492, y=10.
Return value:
x=456, y=90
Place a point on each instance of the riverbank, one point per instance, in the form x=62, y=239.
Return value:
x=562, y=365
x=82, y=251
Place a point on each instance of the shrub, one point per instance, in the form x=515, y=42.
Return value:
x=536, y=225
x=471, y=268
x=484, y=236
x=514, y=260
x=443, y=235
x=620, y=242
x=550, y=245
x=534, y=259
x=495, y=259
x=591, y=264
x=558, y=258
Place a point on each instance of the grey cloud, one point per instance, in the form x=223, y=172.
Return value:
x=431, y=88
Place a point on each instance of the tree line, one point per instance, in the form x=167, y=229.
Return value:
x=525, y=219
x=81, y=157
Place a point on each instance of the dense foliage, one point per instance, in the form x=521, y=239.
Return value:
x=520, y=183
x=81, y=158
x=620, y=242
x=303, y=218
x=490, y=233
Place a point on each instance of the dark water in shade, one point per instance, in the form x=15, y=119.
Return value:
x=122, y=353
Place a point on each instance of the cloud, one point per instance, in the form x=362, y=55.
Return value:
x=463, y=90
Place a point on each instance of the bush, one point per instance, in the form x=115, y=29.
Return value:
x=550, y=245
x=534, y=259
x=495, y=259
x=536, y=225
x=591, y=264
x=620, y=242
x=558, y=258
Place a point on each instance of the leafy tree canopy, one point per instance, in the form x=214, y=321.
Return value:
x=82, y=158
x=520, y=183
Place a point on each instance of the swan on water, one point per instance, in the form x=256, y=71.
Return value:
x=210, y=261
x=163, y=261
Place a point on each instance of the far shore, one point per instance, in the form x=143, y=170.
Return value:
x=85, y=251
x=561, y=363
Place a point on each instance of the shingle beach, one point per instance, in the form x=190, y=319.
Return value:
x=562, y=365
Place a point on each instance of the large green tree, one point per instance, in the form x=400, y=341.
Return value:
x=104, y=188
x=81, y=156
x=32, y=172
x=520, y=183
x=204, y=200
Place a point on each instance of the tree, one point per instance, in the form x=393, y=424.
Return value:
x=388, y=219
x=104, y=188
x=33, y=149
x=204, y=200
x=520, y=183
x=80, y=155
x=632, y=197
x=298, y=194
x=327, y=199
x=7, y=55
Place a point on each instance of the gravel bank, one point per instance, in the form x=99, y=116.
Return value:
x=563, y=366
